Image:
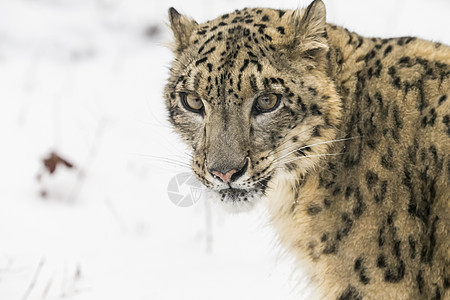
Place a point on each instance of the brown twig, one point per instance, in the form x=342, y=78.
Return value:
x=90, y=158
x=47, y=288
x=116, y=215
x=34, y=279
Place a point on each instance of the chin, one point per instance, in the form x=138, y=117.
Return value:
x=236, y=200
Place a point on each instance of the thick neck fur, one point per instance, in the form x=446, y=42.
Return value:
x=312, y=212
x=345, y=59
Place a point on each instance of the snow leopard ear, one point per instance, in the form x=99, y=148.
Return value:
x=309, y=38
x=182, y=28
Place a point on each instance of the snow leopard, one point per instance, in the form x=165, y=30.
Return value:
x=344, y=139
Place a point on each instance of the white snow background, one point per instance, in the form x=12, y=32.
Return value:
x=85, y=78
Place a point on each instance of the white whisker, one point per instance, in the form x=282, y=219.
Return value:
x=280, y=163
x=315, y=144
x=275, y=151
x=175, y=162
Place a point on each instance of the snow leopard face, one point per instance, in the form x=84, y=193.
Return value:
x=249, y=93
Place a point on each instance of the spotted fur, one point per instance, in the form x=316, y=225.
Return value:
x=353, y=164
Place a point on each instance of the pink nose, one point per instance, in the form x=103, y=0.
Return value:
x=225, y=177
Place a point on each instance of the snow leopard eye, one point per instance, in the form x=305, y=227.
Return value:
x=191, y=102
x=266, y=103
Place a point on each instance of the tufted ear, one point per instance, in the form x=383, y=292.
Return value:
x=309, y=30
x=182, y=28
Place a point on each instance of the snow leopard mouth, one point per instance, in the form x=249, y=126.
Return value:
x=242, y=194
x=236, y=194
x=237, y=199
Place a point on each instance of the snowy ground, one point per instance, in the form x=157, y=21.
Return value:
x=85, y=78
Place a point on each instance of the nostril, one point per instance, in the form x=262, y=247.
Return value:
x=231, y=175
x=241, y=172
x=224, y=177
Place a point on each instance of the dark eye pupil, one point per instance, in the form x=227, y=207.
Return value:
x=191, y=102
x=265, y=100
x=266, y=103
x=195, y=103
